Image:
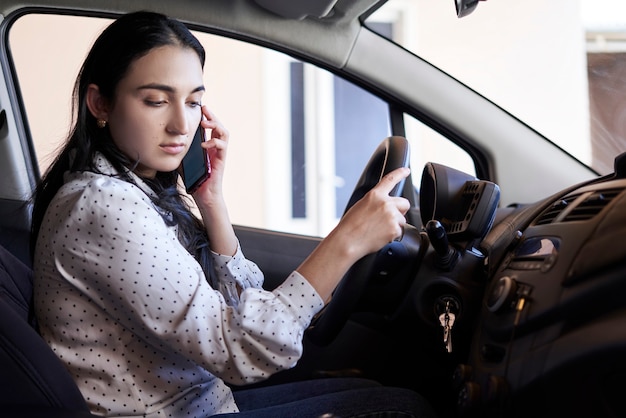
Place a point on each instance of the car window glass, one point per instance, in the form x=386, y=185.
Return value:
x=428, y=145
x=566, y=83
x=300, y=136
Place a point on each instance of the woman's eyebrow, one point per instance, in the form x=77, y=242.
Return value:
x=166, y=88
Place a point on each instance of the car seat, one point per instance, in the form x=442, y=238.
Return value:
x=34, y=382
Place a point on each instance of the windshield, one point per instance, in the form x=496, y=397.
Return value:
x=556, y=65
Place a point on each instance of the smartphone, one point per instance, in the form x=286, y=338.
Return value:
x=196, y=167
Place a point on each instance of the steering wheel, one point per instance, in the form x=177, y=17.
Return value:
x=392, y=153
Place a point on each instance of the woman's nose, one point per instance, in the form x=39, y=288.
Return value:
x=179, y=121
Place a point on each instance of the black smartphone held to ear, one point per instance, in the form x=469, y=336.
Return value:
x=196, y=167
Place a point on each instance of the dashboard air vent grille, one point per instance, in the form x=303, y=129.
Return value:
x=576, y=209
x=550, y=214
x=591, y=206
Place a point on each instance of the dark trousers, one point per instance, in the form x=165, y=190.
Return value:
x=330, y=398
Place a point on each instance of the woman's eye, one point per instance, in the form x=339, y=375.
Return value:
x=154, y=102
x=195, y=104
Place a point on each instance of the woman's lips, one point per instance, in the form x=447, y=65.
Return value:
x=173, y=149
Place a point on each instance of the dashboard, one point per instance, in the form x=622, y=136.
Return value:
x=551, y=322
x=519, y=310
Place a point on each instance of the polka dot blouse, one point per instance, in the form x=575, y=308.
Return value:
x=131, y=314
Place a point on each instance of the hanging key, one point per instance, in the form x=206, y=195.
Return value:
x=448, y=341
x=446, y=319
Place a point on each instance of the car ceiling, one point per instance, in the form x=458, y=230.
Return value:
x=298, y=9
x=330, y=32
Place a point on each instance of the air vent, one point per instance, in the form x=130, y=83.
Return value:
x=578, y=207
x=591, y=206
x=555, y=210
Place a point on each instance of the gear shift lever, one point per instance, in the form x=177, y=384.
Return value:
x=447, y=256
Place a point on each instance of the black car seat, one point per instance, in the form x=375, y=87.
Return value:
x=34, y=381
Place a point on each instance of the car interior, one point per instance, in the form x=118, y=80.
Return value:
x=501, y=299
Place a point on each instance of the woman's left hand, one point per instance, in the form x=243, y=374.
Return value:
x=209, y=196
x=216, y=146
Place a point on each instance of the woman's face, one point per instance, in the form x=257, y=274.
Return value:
x=157, y=108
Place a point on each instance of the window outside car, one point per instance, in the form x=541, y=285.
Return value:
x=557, y=65
x=300, y=136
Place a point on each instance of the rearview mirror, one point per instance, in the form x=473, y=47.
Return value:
x=465, y=7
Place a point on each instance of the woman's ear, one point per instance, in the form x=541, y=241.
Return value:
x=97, y=104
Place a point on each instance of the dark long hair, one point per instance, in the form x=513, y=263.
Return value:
x=127, y=39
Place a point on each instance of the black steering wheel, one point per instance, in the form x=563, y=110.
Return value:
x=392, y=153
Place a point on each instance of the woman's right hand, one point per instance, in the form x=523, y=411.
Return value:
x=377, y=218
x=372, y=222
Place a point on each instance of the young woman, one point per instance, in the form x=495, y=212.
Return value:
x=152, y=309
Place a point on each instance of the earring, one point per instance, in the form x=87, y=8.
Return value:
x=101, y=123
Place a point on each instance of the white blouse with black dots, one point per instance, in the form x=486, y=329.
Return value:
x=131, y=314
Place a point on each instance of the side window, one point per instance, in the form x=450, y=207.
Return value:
x=428, y=145
x=300, y=136
x=46, y=78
